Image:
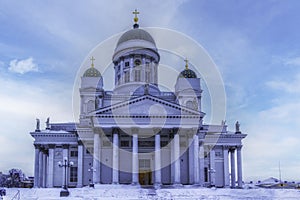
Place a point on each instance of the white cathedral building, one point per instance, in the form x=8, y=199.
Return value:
x=136, y=133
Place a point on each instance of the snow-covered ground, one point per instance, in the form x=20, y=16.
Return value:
x=105, y=192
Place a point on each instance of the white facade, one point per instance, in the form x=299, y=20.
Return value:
x=137, y=134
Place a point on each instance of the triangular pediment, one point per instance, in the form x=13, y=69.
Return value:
x=146, y=105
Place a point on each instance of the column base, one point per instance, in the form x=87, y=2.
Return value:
x=115, y=183
x=197, y=185
x=177, y=185
x=136, y=185
x=64, y=193
x=157, y=185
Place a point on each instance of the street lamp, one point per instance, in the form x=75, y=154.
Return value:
x=212, y=177
x=65, y=164
x=92, y=170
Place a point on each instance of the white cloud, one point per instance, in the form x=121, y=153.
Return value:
x=273, y=134
x=293, y=61
x=23, y=66
x=20, y=104
x=290, y=86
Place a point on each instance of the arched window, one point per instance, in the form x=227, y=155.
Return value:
x=90, y=106
x=190, y=104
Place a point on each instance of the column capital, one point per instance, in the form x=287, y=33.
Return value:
x=134, y=130
x=232, y=148
x=51, y=146
x=65, y=146
x=37, y=146
x=115, y=131
x=80, y=142
x=156, y=130
x=226, y=147
x=239, y=147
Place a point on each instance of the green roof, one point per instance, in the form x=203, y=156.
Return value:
x=92, y=72
x=187, y=73
x=136, y=34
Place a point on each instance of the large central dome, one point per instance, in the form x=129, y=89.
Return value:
x=136, y=34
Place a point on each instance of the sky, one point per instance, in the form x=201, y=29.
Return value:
x=255, y=45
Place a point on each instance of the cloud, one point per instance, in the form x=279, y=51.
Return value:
x=290, y=86
x=21, y=102
x=293, y=61
x=23, y=66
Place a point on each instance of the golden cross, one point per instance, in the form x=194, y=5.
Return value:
x=92, y=59
x=186, y=63
x=136, y=19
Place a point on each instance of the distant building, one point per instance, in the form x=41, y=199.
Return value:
x=120, y=138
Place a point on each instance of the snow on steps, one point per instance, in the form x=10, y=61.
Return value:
x=108, y=192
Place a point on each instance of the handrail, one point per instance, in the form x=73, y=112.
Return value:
x=17, y=196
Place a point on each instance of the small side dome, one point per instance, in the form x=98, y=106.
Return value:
x=92, y=72
x=187, y=73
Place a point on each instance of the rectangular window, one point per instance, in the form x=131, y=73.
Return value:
x=74, y=153
x=144, y=163
x=73, y=174
x=127, y=77
x=137, y=75
x=147, y=78
x=205, y=174
x=125, y=143
x=164, y=143
x=218, y=154
x=126, y=64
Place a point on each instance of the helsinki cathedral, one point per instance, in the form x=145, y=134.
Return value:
x=136, y=133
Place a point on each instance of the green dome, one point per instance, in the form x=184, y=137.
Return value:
x=136, y=34
x=92, y=72
x=187, y=73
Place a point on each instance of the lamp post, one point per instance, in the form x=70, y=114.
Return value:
x=92, y=170
x=65, y=164
x=212, y=177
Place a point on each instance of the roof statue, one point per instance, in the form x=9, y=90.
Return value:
x=37, y=125
x=237, y=127
x=48, y=123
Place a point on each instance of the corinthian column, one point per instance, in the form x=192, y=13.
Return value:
x=157, y=160
x=196, y=159
x=36, y=166
x=115, y=158
x=239, y=166
x=96, y=159
x=177, y=159
x=226, y=167
x=135, y=160
x=232, y=162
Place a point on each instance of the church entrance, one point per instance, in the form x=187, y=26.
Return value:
x=145, y=177
x=145, y=174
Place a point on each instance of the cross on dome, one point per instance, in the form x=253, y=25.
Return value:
x=92, y=61
x=135, y=19
x=186, y=63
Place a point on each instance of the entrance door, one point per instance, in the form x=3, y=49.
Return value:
x=145, y=177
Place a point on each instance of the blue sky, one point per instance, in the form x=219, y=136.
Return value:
x=255, y=45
